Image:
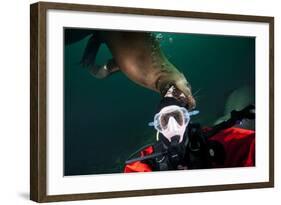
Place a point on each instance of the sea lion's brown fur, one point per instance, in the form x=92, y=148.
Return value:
x=139, y=56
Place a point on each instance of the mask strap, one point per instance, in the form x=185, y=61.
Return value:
x=157, y=136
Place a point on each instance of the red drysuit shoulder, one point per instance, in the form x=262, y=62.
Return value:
x=139, y=166
x=239, y=146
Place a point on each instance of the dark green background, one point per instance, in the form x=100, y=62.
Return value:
x=107, y=120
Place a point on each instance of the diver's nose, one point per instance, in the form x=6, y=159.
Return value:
x=172, y=124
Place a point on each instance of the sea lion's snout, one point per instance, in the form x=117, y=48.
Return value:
x=185, y=88
x=182, y=92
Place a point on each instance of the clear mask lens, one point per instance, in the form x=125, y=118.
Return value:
x=179, y=114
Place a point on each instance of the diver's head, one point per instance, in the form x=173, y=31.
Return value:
x=171, y=119
x=171, y=122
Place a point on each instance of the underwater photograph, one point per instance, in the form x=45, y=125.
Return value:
x=138, y=101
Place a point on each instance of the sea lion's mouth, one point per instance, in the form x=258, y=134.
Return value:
x=181, y=91
x=186, y=99
x=191, y=102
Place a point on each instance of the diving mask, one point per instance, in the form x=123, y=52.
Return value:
x=172, y=120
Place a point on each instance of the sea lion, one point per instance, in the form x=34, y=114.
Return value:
x=139, y=56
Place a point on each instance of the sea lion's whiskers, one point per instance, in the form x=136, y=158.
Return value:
x=196, y=92
x=198, y=97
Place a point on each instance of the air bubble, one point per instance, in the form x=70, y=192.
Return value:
x=171, y=40
x=159, y=36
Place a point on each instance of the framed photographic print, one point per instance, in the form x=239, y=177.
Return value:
x=136, y=102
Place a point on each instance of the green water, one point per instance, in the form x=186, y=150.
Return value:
x=107, y=120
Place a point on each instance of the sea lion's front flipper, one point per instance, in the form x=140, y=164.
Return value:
x=105, y=70
x=91, y=50
x=89, y=57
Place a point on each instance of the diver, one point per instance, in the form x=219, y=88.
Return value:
x=181, y=144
